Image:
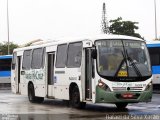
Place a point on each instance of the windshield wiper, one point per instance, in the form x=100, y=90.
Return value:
x=119, y=67
x=134, y=65
x=124, y=60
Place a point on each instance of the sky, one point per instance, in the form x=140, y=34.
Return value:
x=52, y=19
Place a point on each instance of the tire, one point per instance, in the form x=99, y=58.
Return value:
x=31, y=95
x=121, y=105
x=75, y=99
x=66, y=102
x=39, y=99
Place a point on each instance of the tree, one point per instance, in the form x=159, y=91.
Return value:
x=4, y=48
x=124, y=27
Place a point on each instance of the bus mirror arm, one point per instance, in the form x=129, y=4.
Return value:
x=22, y=72
x=94, y=53
x=13, y=66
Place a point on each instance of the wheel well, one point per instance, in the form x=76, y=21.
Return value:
x=72, y=85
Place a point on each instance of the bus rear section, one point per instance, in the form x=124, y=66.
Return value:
x=5, y=70
x=154, y=51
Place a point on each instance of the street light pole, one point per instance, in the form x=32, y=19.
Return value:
x=8, y=26
x=155, y=20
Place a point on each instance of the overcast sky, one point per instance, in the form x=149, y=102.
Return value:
x=49, y=19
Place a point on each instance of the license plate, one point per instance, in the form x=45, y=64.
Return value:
x=122, y=73
x=127, y=95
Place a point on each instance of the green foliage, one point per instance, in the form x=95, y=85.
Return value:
x=123, y=27
x=4, y=48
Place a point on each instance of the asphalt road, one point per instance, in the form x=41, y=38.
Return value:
x=17, y=107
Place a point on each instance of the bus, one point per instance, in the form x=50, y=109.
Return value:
x=154, y=51
x=5, y=70
x=101, y=69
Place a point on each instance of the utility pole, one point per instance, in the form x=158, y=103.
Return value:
x=105, y=27
x=8, y=27
x=155, y=15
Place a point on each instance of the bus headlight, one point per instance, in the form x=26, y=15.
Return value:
x=103, y=86
x=148, y=86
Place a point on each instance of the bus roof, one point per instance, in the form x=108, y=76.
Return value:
x=153, y=43
x=5, y=56
x=82, y=38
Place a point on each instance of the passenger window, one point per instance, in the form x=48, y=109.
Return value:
x=74, y=55
x=26, y=60
x=37, y=58
x=61, y=56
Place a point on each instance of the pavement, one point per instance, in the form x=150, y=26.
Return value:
x=17, y=107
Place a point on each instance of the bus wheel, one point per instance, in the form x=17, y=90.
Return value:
x=39, y=99
x=75, y=99
x=121, y=105
x=66, y=102
x=31, y=93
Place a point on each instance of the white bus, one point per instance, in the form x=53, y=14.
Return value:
x=104, y=69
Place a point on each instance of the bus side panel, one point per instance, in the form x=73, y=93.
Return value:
x=5, y=69
x=156, y=74
x=40, y=90
x=61, y=84
x=15, y=80
x=5, y=80
x=37, y=78
x=13, y=83
x=62, y=80
x=23, y=89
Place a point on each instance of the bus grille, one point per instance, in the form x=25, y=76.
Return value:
x=127, y=88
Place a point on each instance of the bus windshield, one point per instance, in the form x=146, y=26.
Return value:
x=122, y=59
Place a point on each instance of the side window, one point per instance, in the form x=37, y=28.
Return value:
x=74, y=55
x=26, y=59
x=43, y=58
x=13, y=61
x=61, y=56
x=37, y=58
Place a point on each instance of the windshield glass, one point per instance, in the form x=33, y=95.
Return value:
x=122, y=58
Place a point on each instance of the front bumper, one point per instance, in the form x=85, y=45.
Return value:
x=103, y=96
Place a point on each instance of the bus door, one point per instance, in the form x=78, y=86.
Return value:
x=18, y=73
x=88, y=74
x=50, y=74
x=16, y=68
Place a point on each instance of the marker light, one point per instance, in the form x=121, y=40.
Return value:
x=103, y=86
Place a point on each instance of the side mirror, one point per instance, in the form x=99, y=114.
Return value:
x=94, y=53
x=13, y=66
